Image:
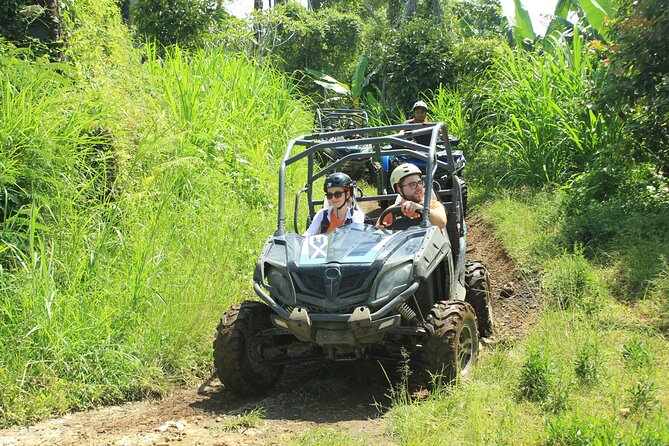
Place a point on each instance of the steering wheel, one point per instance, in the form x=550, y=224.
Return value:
x=400, y=219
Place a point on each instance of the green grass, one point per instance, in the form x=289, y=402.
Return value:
x=137, y=191
x=593, y=370
x=137, y=198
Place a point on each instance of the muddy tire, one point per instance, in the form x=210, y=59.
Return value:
x=477, y=284
x=453, y=347
x=463, y=192
x=238, y=349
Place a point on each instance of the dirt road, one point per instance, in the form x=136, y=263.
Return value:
x=346, y=396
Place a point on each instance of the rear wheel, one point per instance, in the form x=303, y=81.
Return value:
x=453, y=347
x=239, y=349
x=477, y=284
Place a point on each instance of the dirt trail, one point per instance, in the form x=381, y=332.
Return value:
x=345, y=396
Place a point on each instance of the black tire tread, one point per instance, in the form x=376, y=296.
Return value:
x=440, y=353
x=239, y=324
x=477, y=284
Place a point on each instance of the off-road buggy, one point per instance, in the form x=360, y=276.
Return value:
x=360, y=291
x=328, y=120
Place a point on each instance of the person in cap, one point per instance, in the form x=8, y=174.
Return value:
x=407, y=181
x=339, y=191
x=419, y=113
x=420, y=117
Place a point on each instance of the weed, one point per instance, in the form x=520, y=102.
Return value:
x=536, y=377
x=642, y=396
x=588, y=363
x=247, y=420
x=559, y=397
x=570, y=282
x=399, y=392
x=577, y=431
x=327, y=437
x=635, y=352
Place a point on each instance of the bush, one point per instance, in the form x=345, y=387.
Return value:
x=637, y=83
x=294, y=38
x=176, y=22
x=569, y=282
x=414, y=59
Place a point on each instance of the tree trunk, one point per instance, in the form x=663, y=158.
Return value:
x=393, y=11
x=436, y=10
x=257, y=5
x=409, y=9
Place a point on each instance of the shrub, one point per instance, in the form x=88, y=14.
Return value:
x=537, y=376
x=414, y=59
x=569, y=282
x=180, y=22
x=294, y=38
x=637, y=83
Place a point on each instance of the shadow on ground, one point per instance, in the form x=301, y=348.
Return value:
x=321, y=392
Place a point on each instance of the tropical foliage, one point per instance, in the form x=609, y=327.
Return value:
x=137, y=169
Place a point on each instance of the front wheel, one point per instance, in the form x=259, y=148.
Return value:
x=453, y=348
x=239, y=349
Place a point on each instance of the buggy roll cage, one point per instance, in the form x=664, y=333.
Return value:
x=327, y=117
x=385, y=140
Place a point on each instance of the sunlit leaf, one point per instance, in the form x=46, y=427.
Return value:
x=595, y=12
x=523, y=23
x=357, y=83
x=337, y=88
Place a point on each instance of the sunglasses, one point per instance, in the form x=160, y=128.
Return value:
x=414, y=184
x=337, y=194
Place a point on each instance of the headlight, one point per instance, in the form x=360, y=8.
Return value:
x=394, y=281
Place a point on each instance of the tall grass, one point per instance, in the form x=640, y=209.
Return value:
x=132, y=219
x=530, y=122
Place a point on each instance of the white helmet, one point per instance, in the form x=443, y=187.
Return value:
x=420, y=104
x=403, y=171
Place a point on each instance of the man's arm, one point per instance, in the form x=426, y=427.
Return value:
x=437, y=214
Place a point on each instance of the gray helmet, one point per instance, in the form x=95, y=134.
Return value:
x=338, y=179
x=420, y=104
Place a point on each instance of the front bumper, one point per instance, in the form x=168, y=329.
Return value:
x=358, y=327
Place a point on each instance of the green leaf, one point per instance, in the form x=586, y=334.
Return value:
x=595, y=12
x=322, y=77
x=523, y=24
x=562, y=8
x=337, y=88
x=560, y=15
x=359, y=75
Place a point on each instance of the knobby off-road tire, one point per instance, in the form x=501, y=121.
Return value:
x=238, y=350
x=477, y=284
x=453, y=348
x=463, y=192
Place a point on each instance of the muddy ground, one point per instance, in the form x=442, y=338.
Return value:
x=351, y=397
